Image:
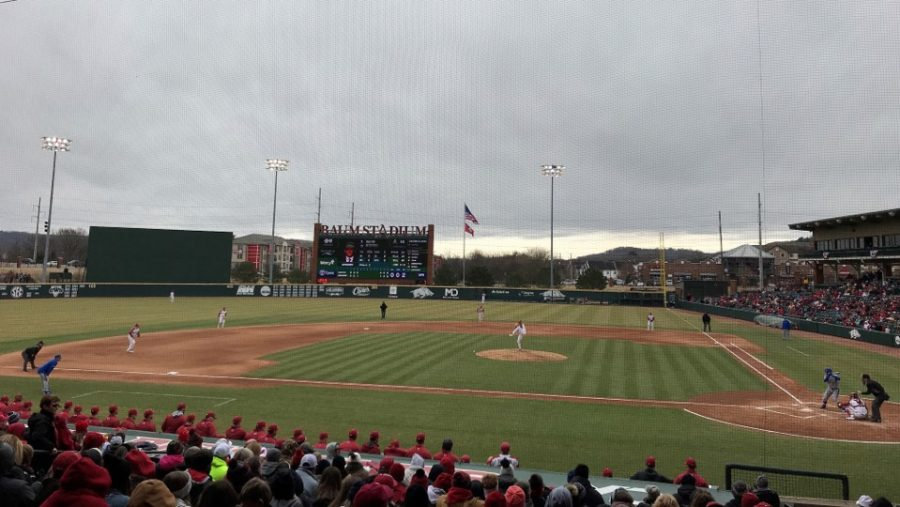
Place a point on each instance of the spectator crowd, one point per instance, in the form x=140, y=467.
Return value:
x=47, y=463
x=865, y=303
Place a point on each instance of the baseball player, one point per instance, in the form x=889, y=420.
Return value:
x=480, y=313
x=520, y=333
x=133, y=335
x=222, y=314
x=45, y=370
x=30, y=354
x=651, y=321
x=855, y=408
x=833, y=390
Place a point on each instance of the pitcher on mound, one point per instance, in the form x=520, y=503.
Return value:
x=520, y=333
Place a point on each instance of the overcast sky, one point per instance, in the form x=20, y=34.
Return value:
x=663, y=112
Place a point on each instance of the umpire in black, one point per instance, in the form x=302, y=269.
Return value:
x=30, y=354
x=875, y=389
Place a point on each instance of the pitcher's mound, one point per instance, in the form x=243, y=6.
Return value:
x=521, y=355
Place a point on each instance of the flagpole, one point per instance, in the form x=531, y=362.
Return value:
x=464, y=255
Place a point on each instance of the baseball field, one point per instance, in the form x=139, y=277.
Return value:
x=592, y=386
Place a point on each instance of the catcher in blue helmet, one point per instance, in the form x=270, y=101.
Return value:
x=833, y=386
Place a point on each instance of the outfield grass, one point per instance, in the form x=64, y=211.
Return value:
x=610, y=368
x=546, y=435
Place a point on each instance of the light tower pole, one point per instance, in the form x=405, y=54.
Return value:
x=276, y=165
x=54, y=144
x=553, y=171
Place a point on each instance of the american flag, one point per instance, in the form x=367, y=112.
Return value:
x=469, y=216
x=469, y=229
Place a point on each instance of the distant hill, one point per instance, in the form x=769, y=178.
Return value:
x=635, y=255
x=9, y=239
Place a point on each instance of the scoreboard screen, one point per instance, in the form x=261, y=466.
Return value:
x=396, y=258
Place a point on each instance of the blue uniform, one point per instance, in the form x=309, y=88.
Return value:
x=44, y=371
x=48, y=367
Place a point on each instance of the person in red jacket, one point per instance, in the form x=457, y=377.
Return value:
x=299, y=437
x=17, y=403
x=235, y=432
x=394, y=449
x=371, y=447
x=77, y=414
x=323, y=441
x=67, y=409
x=84, y=484
x=350, y=444
x=691, y=465
x=147, y=424
x=130, y=422
x=93, y=420
x=207, y=427
x=64, y=441
x=271, y=437
x=174, y=420
x=446, y=451
x=258, y=433
x=25, y=411
x=112, y=420
x=419, y=448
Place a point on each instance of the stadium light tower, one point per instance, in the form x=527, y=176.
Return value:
x=54, y=144
x=275, y=165
x=553, y=171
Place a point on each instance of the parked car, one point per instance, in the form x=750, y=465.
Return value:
x=75, y=263
x=28, y=260
x=553, y=295
x=52, y=264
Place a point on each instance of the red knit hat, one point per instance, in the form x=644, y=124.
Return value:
x=77, y=409
x=191, y=417
x=210, y=415
x=113, y=409
x=181, y=405
x=140, y=463
x=607, y=472
x=374, y=435
x=67, y=405
x=63, y=460
x=690, y=462
x=323, y=436
x=132, y=411
x=260, y=425
x=420, y=438
x=352, y=434
x=651, y=461
x=297, y=433
x=92, y=440
x=504, y=447
x=236, y=419
x=148, y=413
x=94, y=410
x=515, y=496
x=372, y=495
x=273, y=428
x=81, y=426
x=495, y=499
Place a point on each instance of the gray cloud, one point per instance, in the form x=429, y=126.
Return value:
x=408, y=109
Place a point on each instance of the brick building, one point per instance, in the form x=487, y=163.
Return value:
x=289, y=253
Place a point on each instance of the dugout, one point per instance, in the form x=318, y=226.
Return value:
x=122, y=254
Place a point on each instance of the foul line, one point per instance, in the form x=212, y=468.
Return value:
x=782, y=433
x=221, y=403
x=751, y=356
x=739, y=358
x=797, y=351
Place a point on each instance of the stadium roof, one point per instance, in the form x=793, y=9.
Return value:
x=873, y=216
x=746, y=251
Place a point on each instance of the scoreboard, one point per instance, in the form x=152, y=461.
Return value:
x=376, y=254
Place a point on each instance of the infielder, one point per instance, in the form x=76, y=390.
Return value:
x=651, y=321
x=133, y=335
x=45, y=370
x=222, y=314
x=520, y=333
x=833, y=390
x=855, y=408
x=480, y=312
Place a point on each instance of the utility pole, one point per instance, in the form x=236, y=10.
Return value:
x=759, y=217
x=721, y=250
x=319, y=210
x=352, y=211
x=37, y=223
